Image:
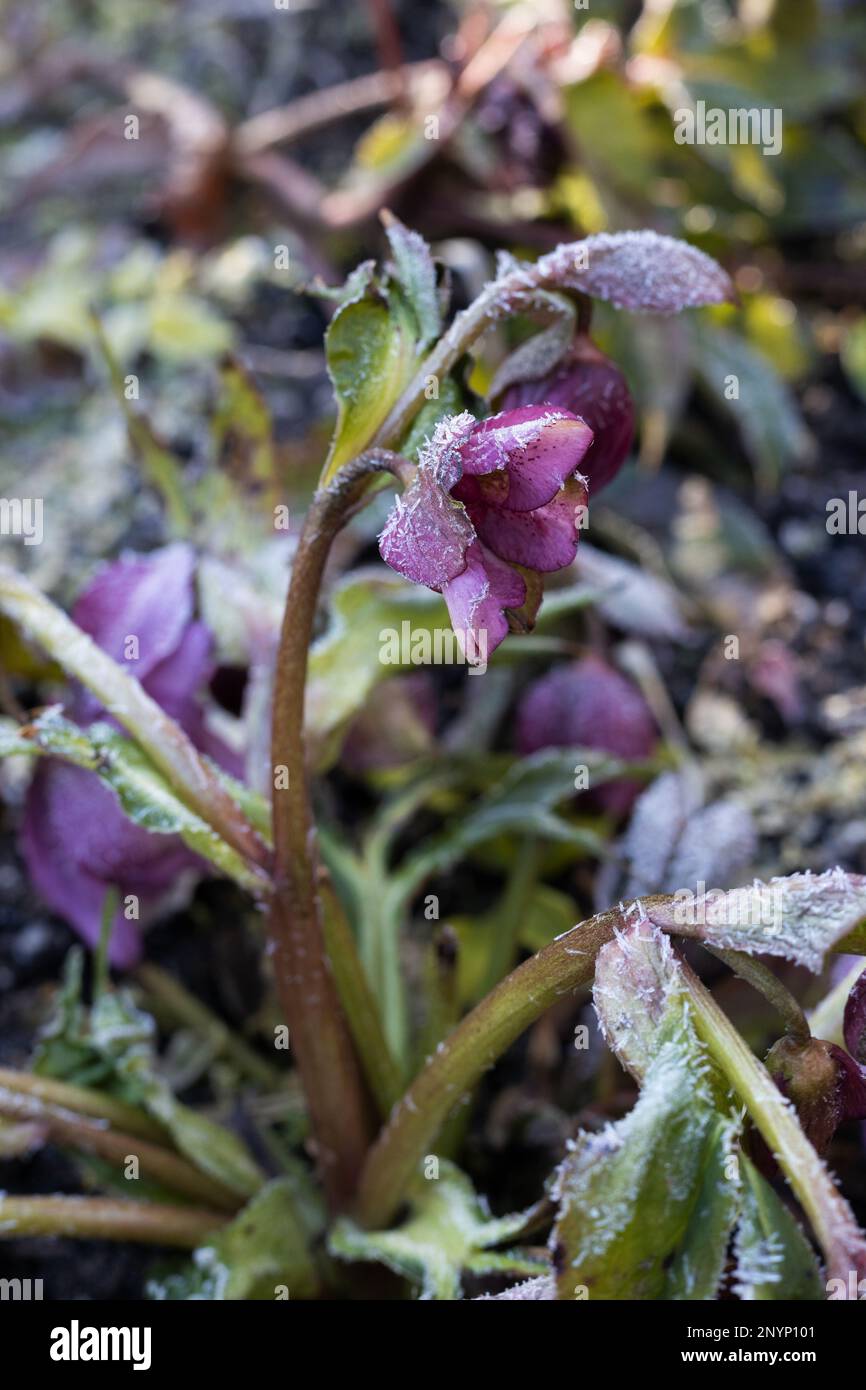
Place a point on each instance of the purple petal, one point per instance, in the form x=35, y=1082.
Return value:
x=855, y=1020
x=176, y=681
x=587, y=384
x=427, y=535
x=77, y=842
x=587, y=704
x=477, y=599
x=851, y=1090
x=536, y=447
x=146, y=597
x=544, y=539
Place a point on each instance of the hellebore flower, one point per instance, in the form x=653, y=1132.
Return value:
x=588, y=384
x=587, y=704
x=76, y=840
x=487, y=497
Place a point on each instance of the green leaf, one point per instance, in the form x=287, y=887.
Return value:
x=262, y=1254
x=450, y=401
x=370, y=350
x=699, y=1263
x=212, y=1148
x=112, y=1047
x=243, y=432
x=628, y=1194
x=416, y=274
x=346, y=663
x=121, y=765
x=764, y=409
x=448, y=1231
x=161, y=468
x=648, y=1207
x=852, y=354
x=774, y=1261
x=524, y=797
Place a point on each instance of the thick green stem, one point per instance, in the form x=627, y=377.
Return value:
x=831, y=1218
x=165, y=743
x=461, y=1060
x=320, y=1038
x=106, y=1218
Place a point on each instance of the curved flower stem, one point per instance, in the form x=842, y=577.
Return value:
x=507, y=294
x=107, y=1218
x=755, y=973
x=473, y=1047
x=320, y=1039
x=831, y=1218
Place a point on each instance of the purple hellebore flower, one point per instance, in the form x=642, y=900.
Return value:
x=487, y=497
x=76, y=840
x=588, y=384
x=587, y=704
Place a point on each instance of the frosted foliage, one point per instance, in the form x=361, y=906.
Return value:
x=640, y=271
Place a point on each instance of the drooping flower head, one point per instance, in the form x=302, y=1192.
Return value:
x=76, y=840
x=488, y=497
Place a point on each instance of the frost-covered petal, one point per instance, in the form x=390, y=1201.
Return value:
x=536, y=448
x=544, y=539
x=78, y=843
x=427, y=534
x=587, y=384
x=477, y=598
x=148, y=597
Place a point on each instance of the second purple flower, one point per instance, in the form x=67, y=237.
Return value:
x=491, y=506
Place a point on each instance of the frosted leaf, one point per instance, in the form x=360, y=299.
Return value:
x=800, y=917
x=531, y=1290
x=448, y=1230
x=675, y=842
x=640, y=271
x=773, y=1258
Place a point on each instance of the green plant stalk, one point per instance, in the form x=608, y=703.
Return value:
x=104, y=1218
x=511, y=911
x=829, y=1214
x=165, y=743
x=88, y=1136
x=461, y=1060
x=383, y=904
x=508, y=294
x=320, y=1038
x=177, y=1002
x=755, y=973
x=380, y=1069
x=81, y=1101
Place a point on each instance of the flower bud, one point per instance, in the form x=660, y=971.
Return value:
x=588, y=384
